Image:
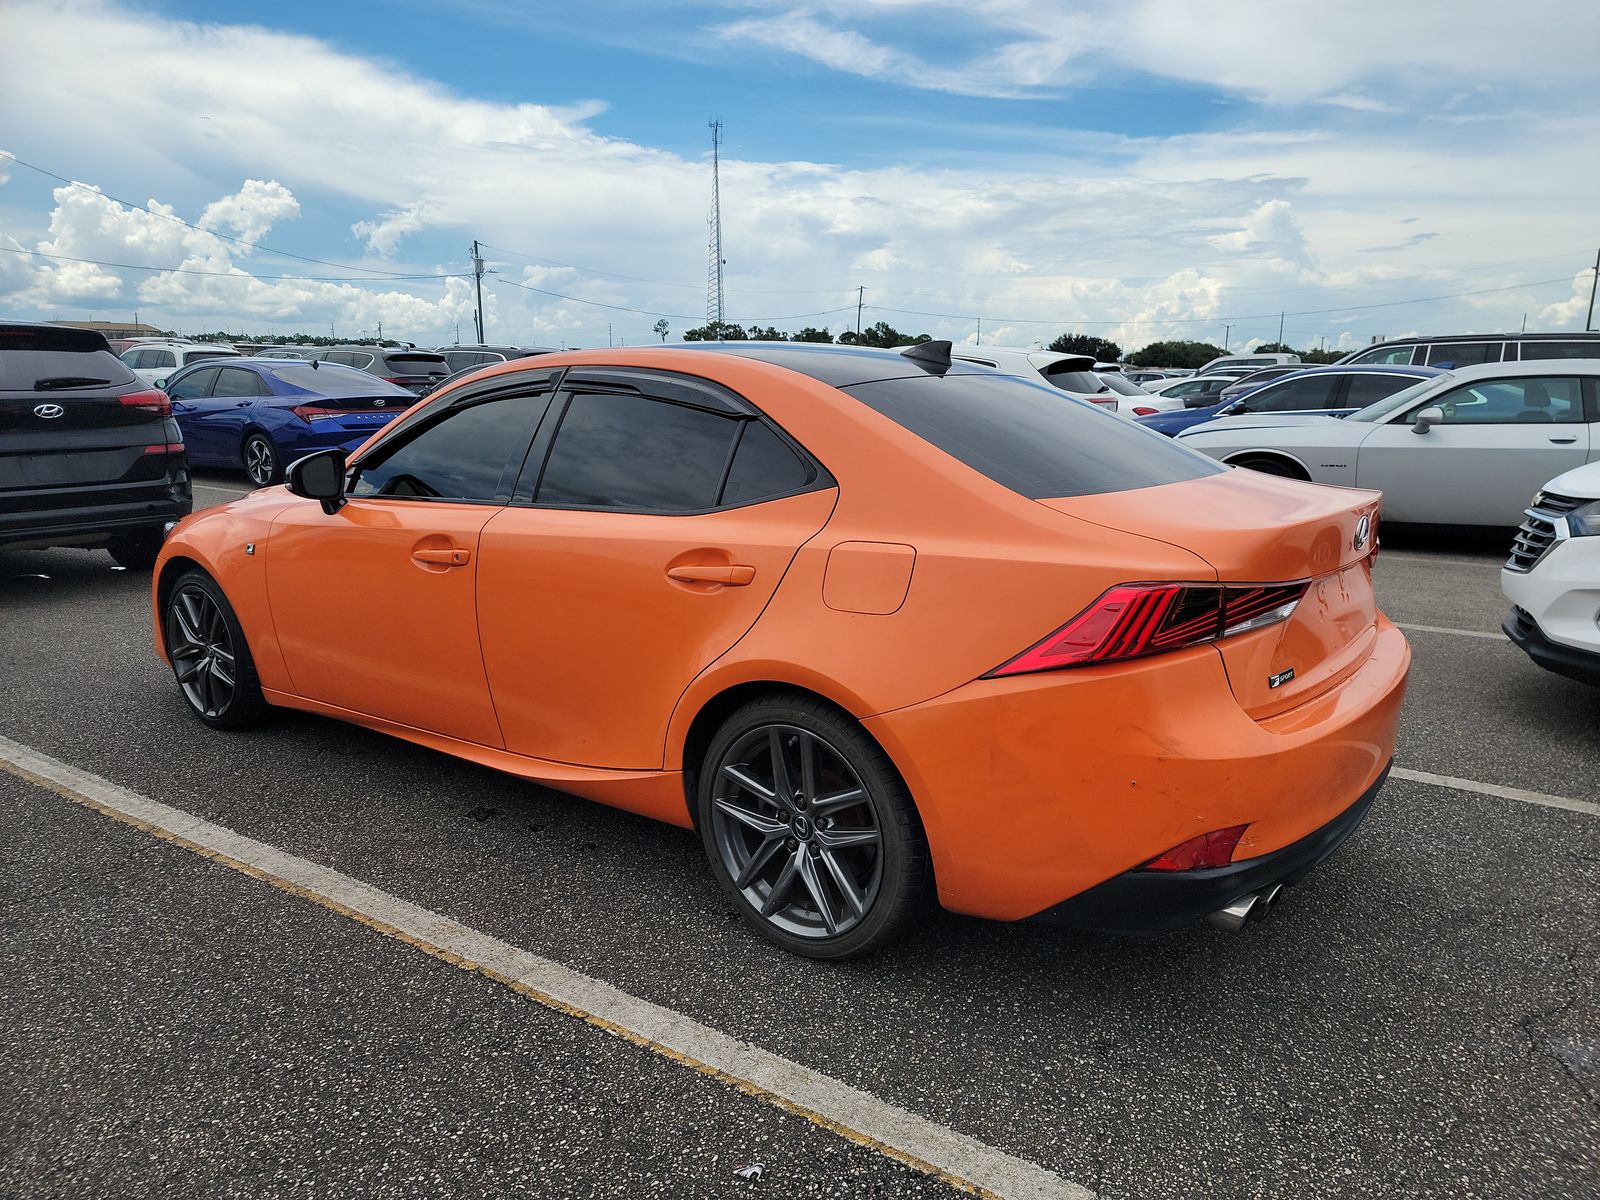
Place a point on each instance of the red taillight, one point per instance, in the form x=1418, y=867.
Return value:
x=1144, y=410
x=152, y=401
x=165, y=448
x=1110, y=402
x=1133, y=620
x=399, y=380
x=310, y=412
x=1201, y=853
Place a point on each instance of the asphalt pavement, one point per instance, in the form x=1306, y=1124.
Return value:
x=1418, y=1018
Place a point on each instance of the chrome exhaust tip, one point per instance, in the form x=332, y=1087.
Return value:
x=1231, y=918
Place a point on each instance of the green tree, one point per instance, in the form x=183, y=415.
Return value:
x=661, y=329
x=1274, y=348
x=1321, y=356
x=809, y=334
x=1175, y=354
x=882, y=334
x=769, y=334
x=716, y=331
x=1096, y=348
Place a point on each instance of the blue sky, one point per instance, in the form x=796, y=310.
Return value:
x=1144, y=169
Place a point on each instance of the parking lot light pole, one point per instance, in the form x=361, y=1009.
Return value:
x=1588, y=321
x=477, y=278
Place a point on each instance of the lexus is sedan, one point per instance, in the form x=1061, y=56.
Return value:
x=1466, y=447
x=873, y=624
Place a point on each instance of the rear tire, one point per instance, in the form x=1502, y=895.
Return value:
x=1268, y=465
x=824, y=855
x=261, y=461
x=210, y=659
x=136, y=552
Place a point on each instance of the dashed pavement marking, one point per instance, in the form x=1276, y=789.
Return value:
x=1477, y=633
x=959, y=1160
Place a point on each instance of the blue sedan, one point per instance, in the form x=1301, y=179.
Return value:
x=1316, y=391
x=262, y=413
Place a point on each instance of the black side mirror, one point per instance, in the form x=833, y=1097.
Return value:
x=319, y=476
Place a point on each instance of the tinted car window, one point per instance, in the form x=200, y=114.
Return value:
x=1027, y=438
x=1077, y=381
x=236, y=381
x=194, y=385
x=1463, y=354
x=330, y=379
x=1513, y=402
x=154, y=359
x=30, y=357
x=1396, y=356
x=763, y=466
x=1590, y=349
x=412, y=364
x=1292, y=395
x=463, y=456
x=620, y=451
x=194, y=356
x=1369, y=389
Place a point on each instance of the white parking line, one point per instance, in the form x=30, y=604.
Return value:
x=1495, y=789
x=1477, y=633
x=960, y=1160
x=231, y=493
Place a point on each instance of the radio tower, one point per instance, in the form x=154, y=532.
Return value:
x=714, y=267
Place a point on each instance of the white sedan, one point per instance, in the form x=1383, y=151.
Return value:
x=1468, y=447
x=1071, y=373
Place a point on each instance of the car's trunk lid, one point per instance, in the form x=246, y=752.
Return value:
x=1256, y=529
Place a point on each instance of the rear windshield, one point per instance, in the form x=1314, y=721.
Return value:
x=202, y=355
x=1125, y=387
x=33, y=359
x=1031, y=439
x=1077, y=381
x=331, y=378
x=416, y=364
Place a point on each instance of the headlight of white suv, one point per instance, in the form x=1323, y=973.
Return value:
x=1584, y=521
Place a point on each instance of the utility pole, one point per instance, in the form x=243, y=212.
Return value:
x=477, y=279
x=608, y=335
x=1589, y=320
x=1524, y=322
x=980, y=331
x=1280, y=328
x=714, y=241
x=861, y=293
x=380, y=333
x=1226, y=331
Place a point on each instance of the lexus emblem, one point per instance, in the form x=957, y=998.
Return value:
x=1363, y=527
x=49, y=411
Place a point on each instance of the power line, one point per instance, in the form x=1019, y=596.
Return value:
x=227, y=237
x=234, y=274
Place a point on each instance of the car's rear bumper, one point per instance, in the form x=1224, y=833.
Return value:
x=1524, y=631
x=1038, y=788
x=93, y=524
x=1159, y=901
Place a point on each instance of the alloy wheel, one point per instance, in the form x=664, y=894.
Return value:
x=797, y=831
x=202, y=649
x=260, y=463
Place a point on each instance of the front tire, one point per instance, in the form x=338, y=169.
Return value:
x=210, y=659
x=261, y=461
x=810, y=830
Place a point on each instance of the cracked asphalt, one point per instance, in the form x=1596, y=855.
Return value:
x=1419, y=1018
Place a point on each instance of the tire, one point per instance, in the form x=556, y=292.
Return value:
x=1268, y=465
x=210, y=659
x=136, y=552
x=846, y=818
x=261, y=460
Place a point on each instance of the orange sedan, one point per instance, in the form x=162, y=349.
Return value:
x=870, y=622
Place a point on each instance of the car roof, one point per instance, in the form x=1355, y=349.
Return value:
x=1532, y=366
x=1417, y=369
x=837, y=366
x=1422, y=339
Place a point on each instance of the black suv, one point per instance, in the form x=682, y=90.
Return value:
x=89, y=454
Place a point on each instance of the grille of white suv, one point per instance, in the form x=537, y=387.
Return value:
x=1537, y=532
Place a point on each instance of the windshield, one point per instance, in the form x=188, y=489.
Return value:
x=1381, y=410
x=332, y=379
x=1121, y=386
x=1083, y=382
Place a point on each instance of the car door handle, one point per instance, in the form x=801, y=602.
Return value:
x=733, y=575
x=1566, y=441
x=451, y=557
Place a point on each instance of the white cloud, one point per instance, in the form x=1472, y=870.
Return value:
x=314, y=150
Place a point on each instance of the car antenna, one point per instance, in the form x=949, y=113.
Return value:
x=931, y=356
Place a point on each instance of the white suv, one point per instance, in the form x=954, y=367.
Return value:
x=1553, y=577
x=152, y=361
